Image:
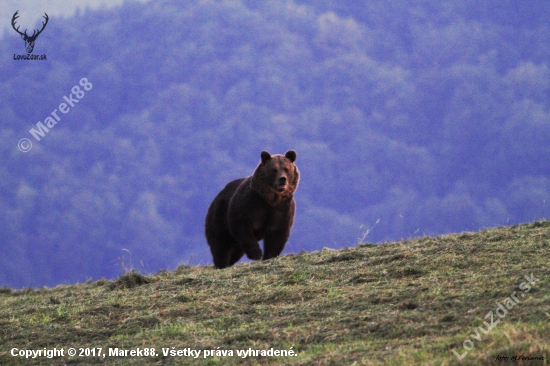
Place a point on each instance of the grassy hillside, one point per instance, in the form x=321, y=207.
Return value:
x=404, y=303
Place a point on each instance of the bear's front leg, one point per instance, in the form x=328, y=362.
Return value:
x=274, y=242
x=248, y=242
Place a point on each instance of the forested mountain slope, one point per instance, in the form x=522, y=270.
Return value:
x=425, y=118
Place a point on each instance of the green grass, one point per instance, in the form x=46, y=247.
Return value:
x=402, y=303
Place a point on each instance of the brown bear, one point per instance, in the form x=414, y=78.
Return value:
x=250, y=209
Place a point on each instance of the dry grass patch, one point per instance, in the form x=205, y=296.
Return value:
x=403, y=303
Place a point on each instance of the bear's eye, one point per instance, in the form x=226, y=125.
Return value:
x=275, y=170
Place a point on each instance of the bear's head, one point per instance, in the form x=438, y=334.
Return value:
x=276, y=177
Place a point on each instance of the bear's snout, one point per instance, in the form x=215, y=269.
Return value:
x=281, y=184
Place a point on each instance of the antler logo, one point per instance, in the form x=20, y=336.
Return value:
x=29, y=40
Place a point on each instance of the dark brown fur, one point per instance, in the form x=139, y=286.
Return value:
x=250, y=209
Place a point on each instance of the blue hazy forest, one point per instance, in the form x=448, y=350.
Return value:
x=409, y=118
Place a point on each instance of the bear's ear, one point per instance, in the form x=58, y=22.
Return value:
x=291, y=155
x=265, y=156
